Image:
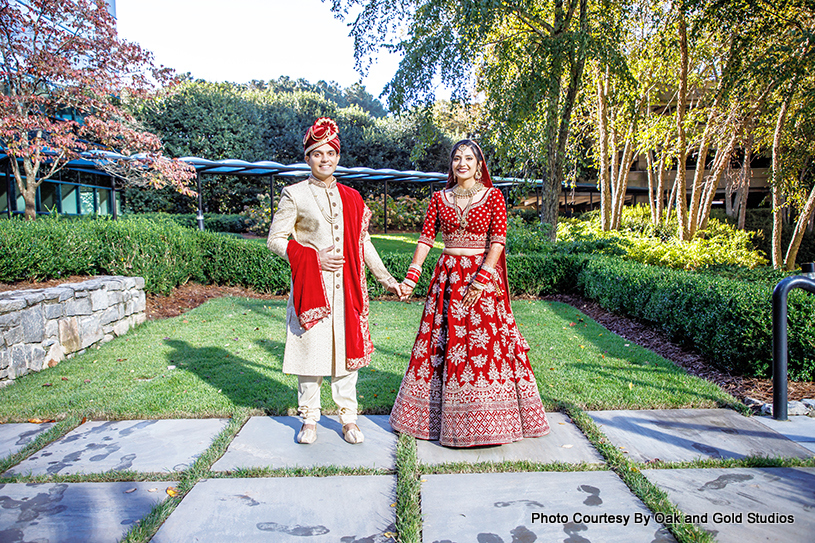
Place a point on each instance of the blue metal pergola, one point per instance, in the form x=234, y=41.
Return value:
x=92, y=161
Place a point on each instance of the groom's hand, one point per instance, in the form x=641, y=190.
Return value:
x=330, y=261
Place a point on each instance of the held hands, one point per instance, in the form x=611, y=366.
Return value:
x=330, y=260
x=396, y=288
x=407, y=292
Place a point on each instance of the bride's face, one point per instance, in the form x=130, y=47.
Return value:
x=465, y=164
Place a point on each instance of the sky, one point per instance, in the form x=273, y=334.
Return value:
x=242, y=40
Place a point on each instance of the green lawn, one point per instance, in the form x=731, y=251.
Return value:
x=225, y=357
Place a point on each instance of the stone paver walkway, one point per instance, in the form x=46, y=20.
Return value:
x=517, y=507
x=272, y=442
x=136, y=445
x=13, y=437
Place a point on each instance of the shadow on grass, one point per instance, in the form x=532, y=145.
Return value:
x=245, y=383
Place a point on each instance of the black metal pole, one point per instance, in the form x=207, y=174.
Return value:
x=271, y=196
x=386, y=206
x=200, y=204
x=113, y=210
x=780, y=351
x=8, y=187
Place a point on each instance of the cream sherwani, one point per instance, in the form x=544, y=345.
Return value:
x=312, y=214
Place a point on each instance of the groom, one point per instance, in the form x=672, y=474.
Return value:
x=327, y=312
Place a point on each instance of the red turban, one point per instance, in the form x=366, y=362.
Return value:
x=324, y=131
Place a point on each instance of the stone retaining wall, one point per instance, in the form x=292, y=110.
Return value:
x=41, y=327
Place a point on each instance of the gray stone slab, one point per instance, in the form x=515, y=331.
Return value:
x=543, y=506
x=75, y=512
x=564, y=443
x=13, y=437
x=744, y=505
x=798, y=429
x=285, y=509
x=272, y=442
x=677, y=435
x=137, y=445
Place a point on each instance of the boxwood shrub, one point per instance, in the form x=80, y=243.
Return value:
x=729, y=321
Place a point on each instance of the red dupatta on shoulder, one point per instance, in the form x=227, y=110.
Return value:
x=356, y=218
x=311, y=304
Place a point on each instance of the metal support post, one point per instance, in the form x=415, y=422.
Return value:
x=386, y=206
x=780, y=351
x=200, y=204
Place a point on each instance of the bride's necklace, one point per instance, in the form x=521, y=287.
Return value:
x=311, y=183
x=472, y=191
x=460, y=192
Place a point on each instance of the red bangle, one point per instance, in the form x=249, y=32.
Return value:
x=413, y=275
x=483, y=276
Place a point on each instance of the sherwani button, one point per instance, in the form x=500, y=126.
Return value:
x=338, y=286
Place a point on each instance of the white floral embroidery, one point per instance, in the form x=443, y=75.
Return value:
x=438, y=318
x=442, y=277
x=420, y=348
x=494, y=328
x=493, y=373
x=451, y=261
x=461, y=331
x=496, y=350
x=479, y=339
x=467, y=375
x=462, y=290
x=457, y=354
x=475, y=318
x=479, y=360
x=465, y=263
x=424, y=371
x=488, y=306
x=436, y=359
x=454, y=277
x=458, y=310
x=425, y=328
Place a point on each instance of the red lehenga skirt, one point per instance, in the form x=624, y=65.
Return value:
x=469, y=381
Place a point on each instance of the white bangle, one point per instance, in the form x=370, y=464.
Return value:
x=477, y=286
x=409, y=283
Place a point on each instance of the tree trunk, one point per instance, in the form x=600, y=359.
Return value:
x=557, y=133
x=746, y=176
x=681, y=183
x=602, y=137
x=720, y=166
x=652, y=205
x=776, y=180
x=800, y=227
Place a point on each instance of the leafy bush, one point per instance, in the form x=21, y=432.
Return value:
x=641, y=241
x=729, y=321
x=525, y=237
x=259, y=217
x=213, y=222
x=231, y=261
x=404, y=212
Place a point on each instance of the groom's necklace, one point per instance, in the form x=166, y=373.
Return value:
x=312, y=181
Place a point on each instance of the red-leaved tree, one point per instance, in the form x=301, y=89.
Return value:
x=63, y=59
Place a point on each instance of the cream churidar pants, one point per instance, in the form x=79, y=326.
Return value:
x=343, y=390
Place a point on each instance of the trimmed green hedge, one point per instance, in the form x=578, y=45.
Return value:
x=729, y=321
x=213, y=222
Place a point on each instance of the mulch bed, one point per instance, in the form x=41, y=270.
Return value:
x=192, y=295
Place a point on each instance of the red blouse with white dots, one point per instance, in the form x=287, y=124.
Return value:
x=484, y=223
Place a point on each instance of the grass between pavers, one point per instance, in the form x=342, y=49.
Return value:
x=226, y=356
